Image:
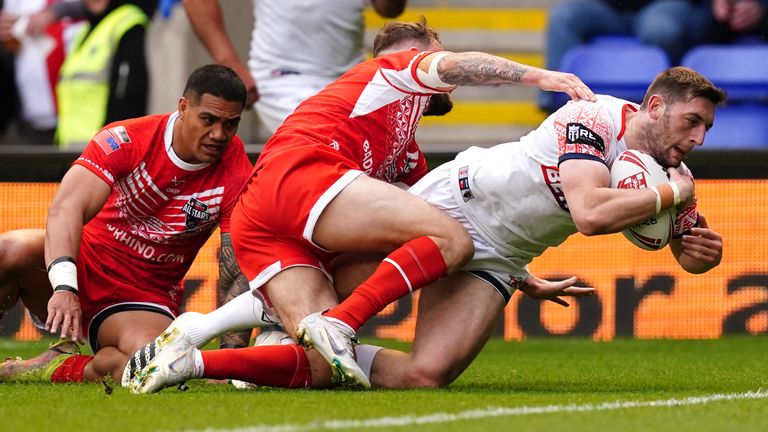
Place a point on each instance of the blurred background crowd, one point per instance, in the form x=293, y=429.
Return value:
x=68, y=67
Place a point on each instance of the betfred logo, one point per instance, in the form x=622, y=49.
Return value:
x=635, y=181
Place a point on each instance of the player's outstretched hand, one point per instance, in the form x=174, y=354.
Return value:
x=64, y=310
x=567, y=83
x=704, y=246
x=550, y=290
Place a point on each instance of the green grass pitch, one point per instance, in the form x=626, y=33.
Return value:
x=542, y=384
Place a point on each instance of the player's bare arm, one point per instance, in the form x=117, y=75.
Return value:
x=80, y=196
x=596, y=208
x=481, y=69
x=231, y=284
x=206, y=19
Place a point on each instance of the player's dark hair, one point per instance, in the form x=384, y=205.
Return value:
x=395, y=32
x=683, y=84
x=216, y=80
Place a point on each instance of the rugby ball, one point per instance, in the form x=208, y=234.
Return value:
x=636, y=170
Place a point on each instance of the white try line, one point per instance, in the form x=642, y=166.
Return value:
x=489, y=412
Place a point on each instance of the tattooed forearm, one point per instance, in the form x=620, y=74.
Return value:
x=475, y=68
x=231, y=284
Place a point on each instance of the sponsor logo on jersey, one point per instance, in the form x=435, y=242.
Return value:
x=196, y=211
x=577, y=133
x=120, y=134
x=552, y=179
x=466, y=192
x=367, y=157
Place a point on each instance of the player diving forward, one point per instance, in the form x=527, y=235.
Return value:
x=515, y=200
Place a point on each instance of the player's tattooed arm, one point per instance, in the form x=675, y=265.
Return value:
x=481, y=69
x=231, y=284
x=476, y=68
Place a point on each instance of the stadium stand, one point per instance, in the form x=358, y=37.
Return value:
x=621, y=67
x=739, y=126
x=510, y=28
x=742, y=70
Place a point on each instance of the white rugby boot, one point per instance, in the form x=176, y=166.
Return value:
x=141, y=358
x=333, y=339
x=174, y=363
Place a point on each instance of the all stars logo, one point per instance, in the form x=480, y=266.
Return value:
x=196, y=211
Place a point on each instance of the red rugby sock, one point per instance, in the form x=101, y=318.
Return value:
x=412, y=266
x=269, y=365
x=71, y=370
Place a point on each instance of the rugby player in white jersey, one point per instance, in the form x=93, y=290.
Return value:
x=517, y=199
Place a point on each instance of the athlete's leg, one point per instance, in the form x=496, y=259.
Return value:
x=456, y=316
x=120, y=335
x=372, y=216
x=22, y=271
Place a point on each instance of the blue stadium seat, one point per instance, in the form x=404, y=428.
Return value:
x=621, y=68
x=742, y=70
x=743, y=126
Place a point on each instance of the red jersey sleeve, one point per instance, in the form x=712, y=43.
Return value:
x=399, y=70
x=109, y=154
x=583, y=131
x=238, y=171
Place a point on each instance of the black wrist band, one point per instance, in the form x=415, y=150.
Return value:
x=60, y=259
x=73, y=290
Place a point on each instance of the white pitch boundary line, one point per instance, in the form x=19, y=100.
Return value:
x=489, y=412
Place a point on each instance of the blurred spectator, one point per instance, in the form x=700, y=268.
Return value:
x=31, y=32
x=663, y=23
x=727, y=20
x=104, y=78
x=297, y=47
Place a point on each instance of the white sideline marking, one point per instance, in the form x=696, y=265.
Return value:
x=492, y=412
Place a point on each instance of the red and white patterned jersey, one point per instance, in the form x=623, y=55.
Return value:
x=161, y=210
x=511, y=193
x=369, y=115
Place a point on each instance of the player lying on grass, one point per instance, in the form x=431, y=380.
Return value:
x=124, y=227
x=515, y=200
x=325, y=184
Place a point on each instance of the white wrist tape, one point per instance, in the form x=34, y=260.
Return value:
x=63, y=271
x=675, y=191
x=658, y=199
x=432, y=78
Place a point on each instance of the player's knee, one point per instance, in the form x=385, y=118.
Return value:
x=18, y=251
x=460, y=245
x=430, y=376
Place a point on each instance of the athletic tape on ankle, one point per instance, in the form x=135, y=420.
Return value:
x=62, y=273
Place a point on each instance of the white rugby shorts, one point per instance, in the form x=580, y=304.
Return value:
x=487, y=263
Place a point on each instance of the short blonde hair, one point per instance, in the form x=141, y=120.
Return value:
x=397, y=31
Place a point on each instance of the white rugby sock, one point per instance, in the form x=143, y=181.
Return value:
x=243, y=312
x=365, y=355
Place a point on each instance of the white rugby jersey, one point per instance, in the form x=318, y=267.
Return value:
x=312, y=37
x=511, y=192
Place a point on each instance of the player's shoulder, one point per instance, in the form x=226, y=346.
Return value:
x=137, y=130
